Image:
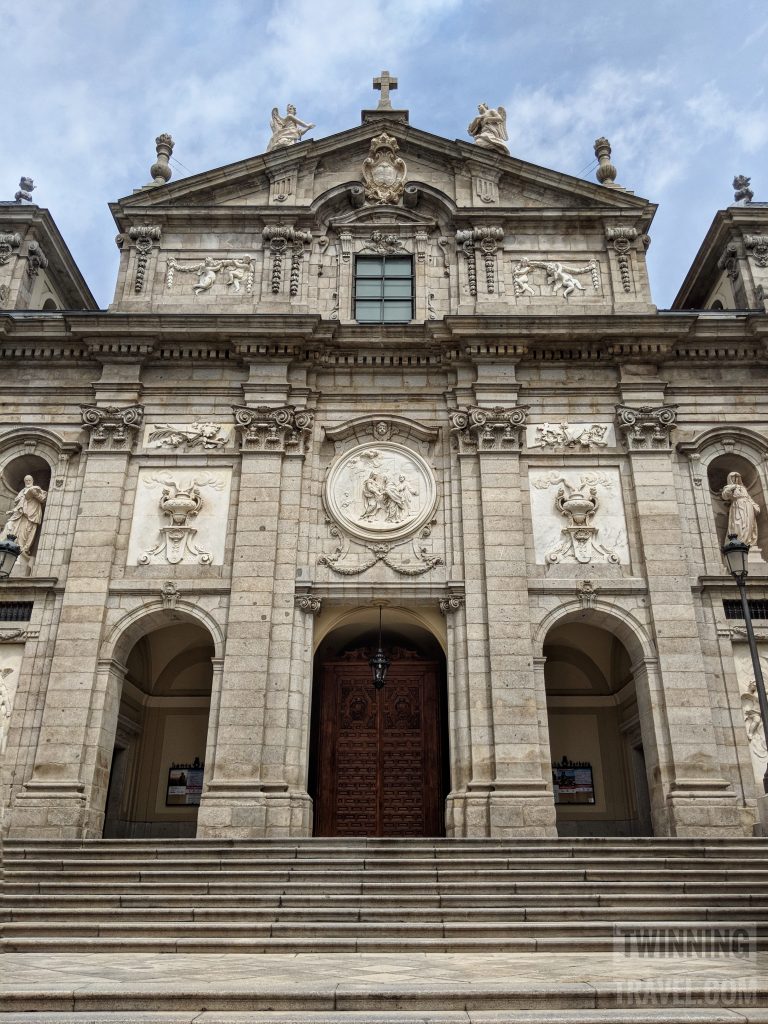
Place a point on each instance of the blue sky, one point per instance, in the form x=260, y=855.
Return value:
x=678, y=86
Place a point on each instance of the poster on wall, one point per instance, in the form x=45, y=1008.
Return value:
x=573, y=782
x=185, y=784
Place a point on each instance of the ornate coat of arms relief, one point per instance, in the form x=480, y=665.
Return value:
x=381, y=497
x=384, y=171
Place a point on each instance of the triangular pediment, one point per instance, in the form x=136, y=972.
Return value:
x=300, y=178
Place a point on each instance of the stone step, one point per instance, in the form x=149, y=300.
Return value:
x=677, y=1001
x=541, y=875
x=99, y=864
x=312, y=944
x=481, y=901
x=429, y=854
x=506, y=930
x=697, y=1015
x=236, y=913
x=595, y=887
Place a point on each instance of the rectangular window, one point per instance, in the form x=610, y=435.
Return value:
x=758, y=609
x=383, y=289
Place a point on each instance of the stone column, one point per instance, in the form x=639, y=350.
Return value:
x=248, y=793
x=64, y=795
x=518, y=795
x=700, y=801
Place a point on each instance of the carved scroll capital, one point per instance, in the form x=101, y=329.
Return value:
x=477, y=430
x=112, y=428
x=283, y=239
x=757, y=247
x=36, y=259
x=486, y=238
x=285, y=430
x=450, y=604
x=308, y=604
x=620, y=238
x=143, y=236
x=9, y=241
x=647, y=428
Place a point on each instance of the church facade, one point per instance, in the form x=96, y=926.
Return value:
x=384, y=392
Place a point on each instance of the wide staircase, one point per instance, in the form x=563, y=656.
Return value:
x=345, y=896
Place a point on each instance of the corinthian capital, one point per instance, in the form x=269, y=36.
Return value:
x=488, y=430
x=285, y=430
x=647, y=427
x=112, y=428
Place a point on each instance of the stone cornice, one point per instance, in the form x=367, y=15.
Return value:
x=656, y=338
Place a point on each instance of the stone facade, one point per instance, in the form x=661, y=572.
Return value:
x=537, y=447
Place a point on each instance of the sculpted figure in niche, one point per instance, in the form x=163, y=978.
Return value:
x=286, y=131
x=26, y=514
x=742, y=511
x=489, y=128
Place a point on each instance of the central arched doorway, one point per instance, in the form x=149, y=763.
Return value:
x=379, y=758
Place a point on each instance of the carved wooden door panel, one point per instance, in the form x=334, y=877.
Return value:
x=379, y=771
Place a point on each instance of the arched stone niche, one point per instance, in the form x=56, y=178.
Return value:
x=717, y=476
x=12, y=477
x=711, y=457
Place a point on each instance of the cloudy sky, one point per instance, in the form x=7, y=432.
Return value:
x=678, y=86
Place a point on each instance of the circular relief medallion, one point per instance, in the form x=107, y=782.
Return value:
x=380, y=493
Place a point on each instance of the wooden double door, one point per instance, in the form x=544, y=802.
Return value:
x=379, y=751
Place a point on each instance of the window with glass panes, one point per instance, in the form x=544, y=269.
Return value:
x=383, y=289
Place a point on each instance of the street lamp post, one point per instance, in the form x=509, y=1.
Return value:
x=736, y=552
x=9, y=552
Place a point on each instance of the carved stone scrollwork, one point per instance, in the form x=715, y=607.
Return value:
x=451, y=604
x=648, y=427
x=14, y=636
x=578, y=502
x=487, y=239
x=488, y=430
x=757, y=246
x=36, y=259
x=280, y=240
x=180, y=501
x=587, y=592
x=143, y=236
x=621, y=238
x=268, y=429
x=387, y=245
x=110, y=427
x=729, y=260
x=309, y=604
x=384, y=171
x=8, y=242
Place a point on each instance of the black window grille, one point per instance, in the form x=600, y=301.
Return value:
x=15, y=611
x=758, y=609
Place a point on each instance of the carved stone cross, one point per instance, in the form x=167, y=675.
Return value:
x=384, y=82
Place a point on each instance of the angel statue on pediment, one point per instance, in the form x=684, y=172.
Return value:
x=489, y=128
x=286, y=131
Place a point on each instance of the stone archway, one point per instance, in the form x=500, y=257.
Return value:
x=596, y=733
x=379, y=761
x=160, y=737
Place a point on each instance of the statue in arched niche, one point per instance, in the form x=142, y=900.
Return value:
x=25, y=515
x=742, y=510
